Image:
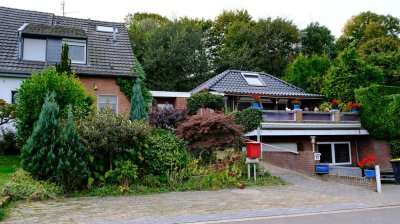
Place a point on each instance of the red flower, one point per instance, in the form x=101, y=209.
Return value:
x=367, y=162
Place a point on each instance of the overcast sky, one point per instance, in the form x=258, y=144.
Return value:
x=332, y=13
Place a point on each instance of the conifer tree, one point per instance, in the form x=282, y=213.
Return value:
x=65, y=65
x=39, y=154
x=72, y=158
x=138, y=107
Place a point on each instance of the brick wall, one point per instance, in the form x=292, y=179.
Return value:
x=106, y=86
x=180, y=102
x=378, y=148
x=352, y=181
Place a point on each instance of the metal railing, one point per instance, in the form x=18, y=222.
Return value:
x=299, y=116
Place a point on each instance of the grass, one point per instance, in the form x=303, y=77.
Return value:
x=8, y=165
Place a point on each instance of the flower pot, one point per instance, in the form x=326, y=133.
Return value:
x=369, y=173
x=322, y=169
x=255, y=105
x=296, y=106
x=396, y=170
x=335, y=108
x=354, y=109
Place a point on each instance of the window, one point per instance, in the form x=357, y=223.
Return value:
x=77, y=51
x=14, y=96
x=34, y=49
x=337, y=153
x=111, y=101
x=253, y=79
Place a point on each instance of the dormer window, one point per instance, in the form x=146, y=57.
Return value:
x=253, y=79
x=77, y=50
x=34, y=49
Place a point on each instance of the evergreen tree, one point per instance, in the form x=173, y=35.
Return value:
x=72, y=161
x=138, y=107
x=39, y=154
x=65, y=65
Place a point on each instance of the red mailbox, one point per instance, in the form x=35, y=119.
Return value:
x=253, y=149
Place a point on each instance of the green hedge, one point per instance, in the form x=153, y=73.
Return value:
x=212, y=101
x=250, y=118
x=380, y=110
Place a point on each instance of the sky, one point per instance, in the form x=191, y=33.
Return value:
x=332, y=14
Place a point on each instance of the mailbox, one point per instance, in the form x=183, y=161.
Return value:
x=253, y=149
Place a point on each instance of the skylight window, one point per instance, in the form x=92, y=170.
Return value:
x=106, y=29
x=253, y=79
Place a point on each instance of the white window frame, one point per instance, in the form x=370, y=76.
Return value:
x=253, y=74
x=25, y=50
x=333, y=152
x=75, y=42
x=107, y=95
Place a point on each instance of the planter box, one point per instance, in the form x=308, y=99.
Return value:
x=322, y=169
x=396, y=171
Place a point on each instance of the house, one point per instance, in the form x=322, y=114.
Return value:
x=100, y=52
x=291, y=138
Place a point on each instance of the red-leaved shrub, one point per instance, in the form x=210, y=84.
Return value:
x=211, y=131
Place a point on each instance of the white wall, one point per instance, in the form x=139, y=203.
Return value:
x=7, y=85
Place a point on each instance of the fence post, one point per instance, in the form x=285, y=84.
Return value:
x=378, y=179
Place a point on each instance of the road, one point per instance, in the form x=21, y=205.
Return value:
x=389, y=214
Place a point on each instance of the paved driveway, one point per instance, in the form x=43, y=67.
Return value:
x=303, y=196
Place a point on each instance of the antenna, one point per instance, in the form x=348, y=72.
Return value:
x=63, y=7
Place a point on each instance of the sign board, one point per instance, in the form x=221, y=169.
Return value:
x=317, y=156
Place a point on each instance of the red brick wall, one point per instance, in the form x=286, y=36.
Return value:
x=180, y=102
x=378, y=148
x=106, y=86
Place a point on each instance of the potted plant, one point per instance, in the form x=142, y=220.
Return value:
x=354, y=106
x=325, y=106
x=322, y=168
x=335, y=104
x=296, y=103
x=395, y=149
x=256, y=101
x=368, y=165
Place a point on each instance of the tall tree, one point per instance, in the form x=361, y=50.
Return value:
x=65, y=65
x=138, y=107
x=308, y=72
x=350, y=72
x=316, y=39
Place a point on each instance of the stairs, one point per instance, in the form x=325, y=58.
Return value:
x=387, y=176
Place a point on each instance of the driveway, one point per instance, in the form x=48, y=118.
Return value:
x=304, y=195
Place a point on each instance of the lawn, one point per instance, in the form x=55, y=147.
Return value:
x=8, y=165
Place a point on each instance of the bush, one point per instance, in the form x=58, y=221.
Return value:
x=249, y=118
x=211, y=131
x=32, y=94
x=124, y=174
x=165, y=153
x=23, y=187
x=109, y=137
x=54, y=152
x=194, y=102
x=395, y=148
x=7, y=112
x=167, y=119
x=8, y=142
x=380, y=106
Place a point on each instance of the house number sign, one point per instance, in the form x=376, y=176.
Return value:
x=317, y=156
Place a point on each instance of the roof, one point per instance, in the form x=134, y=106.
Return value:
x=52, y=30
x=232, y=82
x=105, y=57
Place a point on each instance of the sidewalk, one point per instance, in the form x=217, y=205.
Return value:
x=305, y=195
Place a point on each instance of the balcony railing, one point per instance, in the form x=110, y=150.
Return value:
x=299, y=116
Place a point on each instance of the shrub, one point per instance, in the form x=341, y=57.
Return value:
x=138, y=107
x=8, y=142
x=168, y=118
x=196, y=101
x=249, y=118
x=395, y=148
x=107, y=136
x=380, y=106
x=7, y=112
x=23, y=187
x=54, y=152
x=32, y=93
x=211, y=131
x=165, y=153
x=124, y=174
